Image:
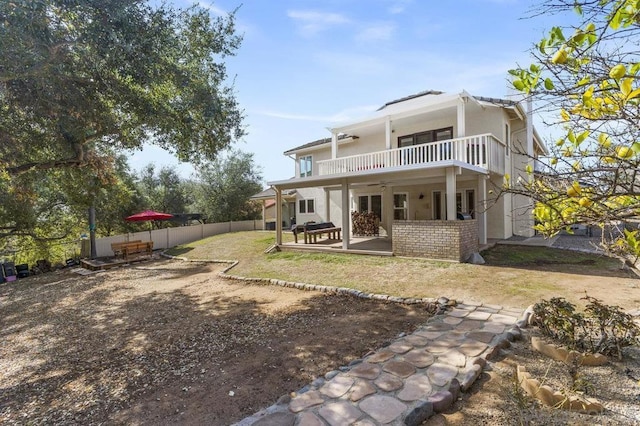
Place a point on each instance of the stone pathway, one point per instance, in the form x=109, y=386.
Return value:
x=406, y=382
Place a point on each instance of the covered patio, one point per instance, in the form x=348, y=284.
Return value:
x=433, y=238
x=374, y=246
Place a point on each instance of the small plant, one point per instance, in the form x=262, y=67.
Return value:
x=599, y=329
x=579, y=383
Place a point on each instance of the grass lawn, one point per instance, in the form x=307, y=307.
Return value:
x=514, y=276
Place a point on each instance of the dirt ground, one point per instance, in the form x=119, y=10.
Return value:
x=168, y=342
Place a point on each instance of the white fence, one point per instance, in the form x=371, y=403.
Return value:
x=171, y=237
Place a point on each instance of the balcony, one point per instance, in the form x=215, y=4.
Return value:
x=484, y=151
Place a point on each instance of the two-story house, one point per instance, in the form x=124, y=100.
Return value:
x=421, y=164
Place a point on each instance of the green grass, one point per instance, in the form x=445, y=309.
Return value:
x=514, y=275
x=517, y=256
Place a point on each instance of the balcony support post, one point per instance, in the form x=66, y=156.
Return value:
x=481, y=209
x=327, y=205
x=451, y=193
x=387, y=132
x=461, y=118
x=334, y=145
x=278, y=215
x=346, y=215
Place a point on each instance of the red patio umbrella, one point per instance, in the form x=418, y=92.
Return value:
x=148, y=215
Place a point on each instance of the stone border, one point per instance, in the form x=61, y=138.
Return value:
x=555, y=399
x=423, y=408
x=568, y=357
x=438, y=305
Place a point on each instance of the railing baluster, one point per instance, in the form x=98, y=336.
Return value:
x=479, y=150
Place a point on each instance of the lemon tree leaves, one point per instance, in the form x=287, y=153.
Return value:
x=588, y=76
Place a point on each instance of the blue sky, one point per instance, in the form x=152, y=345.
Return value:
x=307, y=65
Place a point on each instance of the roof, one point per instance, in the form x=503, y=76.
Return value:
x=407, y=98
x=317, y=143
x=393, y=107
x=269, y=193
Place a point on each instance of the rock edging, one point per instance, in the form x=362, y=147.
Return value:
x=435, y=305
x=564, y=355
x=554, y=398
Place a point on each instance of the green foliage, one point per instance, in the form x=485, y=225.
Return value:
x=588, y=76
x=82, y=81
x=164, y=191
x=599, y=329
x=223, y=188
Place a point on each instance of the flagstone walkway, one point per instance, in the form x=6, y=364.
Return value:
x=406, y=382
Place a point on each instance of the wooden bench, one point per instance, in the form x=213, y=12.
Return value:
x=312, y=230
x=117, y=247
x=126, y=250
x=142, y=248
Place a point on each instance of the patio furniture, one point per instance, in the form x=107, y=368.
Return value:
x=117, y=247
x=138, y=248
x=312, y=230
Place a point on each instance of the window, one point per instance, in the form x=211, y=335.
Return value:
x=306, y=206
x=471, y=202
x=370, y=203
x=400, y=206
x=421, y=155
x=426, y=137
x=305, y=165
x=463, y=205
x=438, y=207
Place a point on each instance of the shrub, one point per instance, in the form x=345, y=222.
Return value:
x=599, y=329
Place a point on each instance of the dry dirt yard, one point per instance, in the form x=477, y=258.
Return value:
x=168, y=342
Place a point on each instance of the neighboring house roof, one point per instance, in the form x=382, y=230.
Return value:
x=269, y=203
x=393, y=107
x=269, y=193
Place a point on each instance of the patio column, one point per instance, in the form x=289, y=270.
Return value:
x=264, y=215
x=346, y=215
x=387, y=133
x=481, y=210
x=451, y=193
x=387, y=209
x=334, y=145
x=327, y=205
x=278, y=215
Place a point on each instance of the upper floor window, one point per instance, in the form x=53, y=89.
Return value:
x=305, y=165
x=426, y=137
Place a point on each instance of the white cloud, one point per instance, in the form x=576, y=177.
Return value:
x=376, y=32
x=311, y=22
x=398, y=6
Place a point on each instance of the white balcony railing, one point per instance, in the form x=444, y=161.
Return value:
x=485, y=151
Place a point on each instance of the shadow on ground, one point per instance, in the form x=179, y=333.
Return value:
x=169, y=342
